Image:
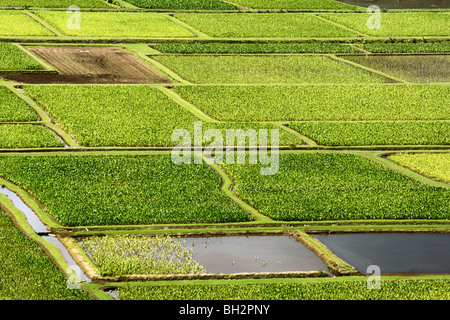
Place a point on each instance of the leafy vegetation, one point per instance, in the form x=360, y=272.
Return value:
x=15, y=59
x=12, y=108
x=321, y=102
x=247, y=69
x=293, y=4
x=322, y=186
x=27, y=136
x=412, y=68
x=53, y=3
x=246, y=25
x=358, y=133
x=183, y=4
x=127, y=255
x=27, y=273
x=118, y=24
x=16, y=23
x=216, y=47
x=418, y=24
x=434, y=165
x=323, y=290
x=434, y=47
x=117, y=190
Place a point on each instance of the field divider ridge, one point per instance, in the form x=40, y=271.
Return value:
x=183, y=24
x=360, y=34
x=360, y=66
x=382, y=159
x=47, y=66
x=226, y=187
x=185, y=104
x=287, y=128
x=44, y=23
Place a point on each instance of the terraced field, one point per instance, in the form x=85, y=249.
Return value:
x=139, y=138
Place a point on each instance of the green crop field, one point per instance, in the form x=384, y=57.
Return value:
x=318, y=187
x=313, y=290
x=130, y=116
x=27, y=136
x=12, y=108
x=128, y=255
x=246, y=69
x=15, y=59
x=240, y=48
x=293, y=4
x=396, y=24
x=115, y=24
x=239, y=25
x=434, y=165
x=183, y=4
x=54, y=3
x=129, y=128
x=26, y=272
x=14, y=23
x=359, y=133
x=321, y=102
x=122, y=189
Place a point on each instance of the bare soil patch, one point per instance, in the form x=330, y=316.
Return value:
x=85, y=65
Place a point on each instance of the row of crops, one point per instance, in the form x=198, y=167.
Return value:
x=363, y=121
x=219, y=25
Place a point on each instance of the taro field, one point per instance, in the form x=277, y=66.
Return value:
x=224, y=150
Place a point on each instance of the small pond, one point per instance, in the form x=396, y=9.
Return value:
x=244, y=254
x=392, y=252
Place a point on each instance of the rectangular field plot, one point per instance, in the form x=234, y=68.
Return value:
x=360, y=133
x=433, y=165
x=118, y=190
x=321, y=102
x=326, y=186
x=183, y=4
x=118, y=24
x=243, y=48
x=54, y=3
x=14, y=23
x=127, y=116
x=242, y=25
x=396, y=24
x=15, y=59
x=82, y=65
x=268, y=69
x=28, y=136
x=12, y=108
x=291, y=290
x=412, y=68
x=293, y=4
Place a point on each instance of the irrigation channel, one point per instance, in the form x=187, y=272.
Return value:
x=41, y=230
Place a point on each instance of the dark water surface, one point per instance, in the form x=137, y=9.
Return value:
x=240, y=254
x=392, y=252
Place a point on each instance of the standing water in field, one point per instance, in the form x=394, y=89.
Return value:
x=241, y=254
x=392, y=252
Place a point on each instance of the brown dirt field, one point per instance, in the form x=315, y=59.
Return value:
x=80, y=65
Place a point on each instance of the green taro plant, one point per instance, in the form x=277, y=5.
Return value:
x=128, y=255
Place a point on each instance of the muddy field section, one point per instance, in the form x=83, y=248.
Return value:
x=91, y=65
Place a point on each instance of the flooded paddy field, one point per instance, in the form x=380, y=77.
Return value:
x=244, y=254
x=409, y=253
x=412, y=68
